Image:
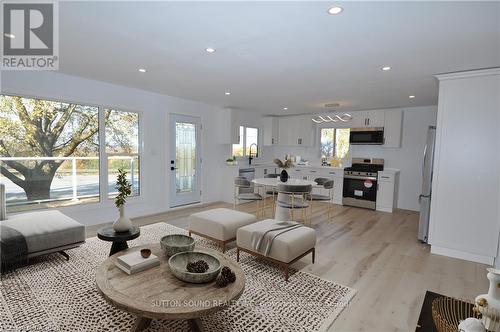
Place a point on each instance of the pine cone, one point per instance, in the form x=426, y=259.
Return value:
x=221, y=281
x=226, y=271
x=191, y=267
x=231, y=278
x=197, y=267
x=202, y=265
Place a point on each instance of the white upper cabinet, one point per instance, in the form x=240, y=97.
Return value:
x=270, y=130
x=228, y=120
x=295, y=131
x=375, y=118
x=393, y=128
x=367, y=119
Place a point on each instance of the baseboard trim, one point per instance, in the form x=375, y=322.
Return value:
x=462, y=255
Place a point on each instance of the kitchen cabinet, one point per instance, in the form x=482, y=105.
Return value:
x=367, y=119
x=387, y=190
x=393, y=124
x=298, y=173
x=295, y=131
x=228, y=119
x=270, y=130
x=270, y=170
x=259, y=172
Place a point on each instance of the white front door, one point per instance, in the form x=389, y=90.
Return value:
x=185, y=157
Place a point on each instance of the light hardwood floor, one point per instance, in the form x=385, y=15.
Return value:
x=376, y=253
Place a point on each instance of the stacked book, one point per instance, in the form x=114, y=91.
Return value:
x=134, y=262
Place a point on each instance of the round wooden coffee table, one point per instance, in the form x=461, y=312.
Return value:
x=119, y=239
x=157, y=294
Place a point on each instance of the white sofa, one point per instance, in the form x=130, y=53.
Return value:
x=45, y=231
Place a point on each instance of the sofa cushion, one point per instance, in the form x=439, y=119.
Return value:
x=220, y=224
x=286, y=247
x=46, y=229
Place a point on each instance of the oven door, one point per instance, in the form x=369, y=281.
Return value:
x=360, y=191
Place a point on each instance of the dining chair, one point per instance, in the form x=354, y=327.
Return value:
x=244, y=191
x=294, y=197
x=274, y=191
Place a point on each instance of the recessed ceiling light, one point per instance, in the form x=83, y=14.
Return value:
x=335, y=10
x=227, y=93
x=142, y=70
x=411, y=97
x=210, y=50
x=386, y=68
x=285, y=108
x=9, y=35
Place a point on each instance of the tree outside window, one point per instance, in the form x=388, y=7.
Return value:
x=49, y=150
x=334, y=142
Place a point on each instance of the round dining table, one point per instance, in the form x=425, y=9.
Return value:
x=282, y=214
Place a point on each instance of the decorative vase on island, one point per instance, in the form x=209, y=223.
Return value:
x=122, y=224
x=284, y=176
x=490, y=309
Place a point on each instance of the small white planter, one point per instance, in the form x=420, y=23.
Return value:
x=122, y=224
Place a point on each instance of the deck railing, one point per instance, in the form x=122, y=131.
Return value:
x=74, y=170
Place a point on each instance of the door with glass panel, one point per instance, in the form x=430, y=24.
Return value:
x=184, y=162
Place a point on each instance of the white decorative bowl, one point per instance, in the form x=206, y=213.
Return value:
x=179, y=261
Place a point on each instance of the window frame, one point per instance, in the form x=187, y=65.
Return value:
x=103, y=198
x=138, y=154
x=334, y=141
x=243, y=141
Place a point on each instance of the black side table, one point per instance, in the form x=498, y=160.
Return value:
x=119, y=239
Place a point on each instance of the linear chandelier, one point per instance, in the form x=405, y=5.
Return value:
x=332, y=118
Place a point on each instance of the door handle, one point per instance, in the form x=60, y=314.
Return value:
x=421, y=196
x=173, y=168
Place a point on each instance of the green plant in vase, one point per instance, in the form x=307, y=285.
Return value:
x=122, y=224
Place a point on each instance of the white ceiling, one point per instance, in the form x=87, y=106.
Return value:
x=272, y=55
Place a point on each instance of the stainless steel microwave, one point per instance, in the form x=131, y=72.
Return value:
x=366, y=136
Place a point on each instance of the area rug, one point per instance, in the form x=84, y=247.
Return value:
x=57, y=295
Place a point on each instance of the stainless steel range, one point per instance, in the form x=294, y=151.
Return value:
x=360, y=182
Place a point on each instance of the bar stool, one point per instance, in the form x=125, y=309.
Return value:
x=297, y=195
x=244, y=191
x=326, y=185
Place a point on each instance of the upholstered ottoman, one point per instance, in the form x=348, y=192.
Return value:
x=286, y=248
x=47, y=231
x=219, y=225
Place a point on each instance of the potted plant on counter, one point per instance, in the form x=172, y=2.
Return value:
x=284, y=166
x=231, y=161
x=122, y=224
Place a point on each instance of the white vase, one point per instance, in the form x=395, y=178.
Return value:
x=122, y=224
x=491, y=311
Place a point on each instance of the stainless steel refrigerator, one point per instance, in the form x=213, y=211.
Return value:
x=426, y=195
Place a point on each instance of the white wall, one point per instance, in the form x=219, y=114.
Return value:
x=408, y=158
x=154, y=110
x=465, y=218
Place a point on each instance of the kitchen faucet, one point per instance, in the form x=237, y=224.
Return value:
x=250, y=153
